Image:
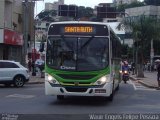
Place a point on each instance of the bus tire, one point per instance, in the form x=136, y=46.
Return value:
x=110, y=98
x=117, y=88
x=60, y=97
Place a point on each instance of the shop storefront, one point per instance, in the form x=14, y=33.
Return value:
x=11, y=45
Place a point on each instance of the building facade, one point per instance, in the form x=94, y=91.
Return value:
x=11, y=37
x=120, y=2
x=41, y=31
x=12, y=32
x=106, y=11
x=28, y=29
x=54, y=5
x=149, y=10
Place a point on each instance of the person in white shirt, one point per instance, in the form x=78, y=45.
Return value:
x=40, y=65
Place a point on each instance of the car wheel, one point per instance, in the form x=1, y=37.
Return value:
x=19, y=81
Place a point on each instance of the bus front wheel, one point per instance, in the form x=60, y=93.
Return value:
x=60, y=97
x=110, y=98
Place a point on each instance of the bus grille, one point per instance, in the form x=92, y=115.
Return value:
x=76, y=89
x=76, y=77
x=80, y=83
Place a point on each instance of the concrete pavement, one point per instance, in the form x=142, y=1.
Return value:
x=36, y=79
x=149, y=80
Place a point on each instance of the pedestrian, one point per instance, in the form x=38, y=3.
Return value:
x=33, y=68
x=40, y=65
x=148, y=66
x=29, y=65
x=33, y=65
x=158, y=73
x=133, y=68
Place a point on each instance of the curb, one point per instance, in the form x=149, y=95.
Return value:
x=35, y=83
x=146, y=85
x=35, y=80
x=143, y=83
x=132, y=78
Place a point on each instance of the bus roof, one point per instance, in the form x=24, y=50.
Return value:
x=81, y=29
x=79, y=22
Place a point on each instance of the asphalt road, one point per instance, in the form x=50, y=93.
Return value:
x=31, y=100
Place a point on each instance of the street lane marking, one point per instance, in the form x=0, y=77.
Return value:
x=130, y=82
x=140, y=87
x=20, y=96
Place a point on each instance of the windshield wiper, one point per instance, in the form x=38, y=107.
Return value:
x=66, y=43
x=87, y=42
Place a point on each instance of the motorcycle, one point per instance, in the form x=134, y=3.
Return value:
x=125, y=75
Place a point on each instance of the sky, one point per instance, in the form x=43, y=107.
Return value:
x=87, y=3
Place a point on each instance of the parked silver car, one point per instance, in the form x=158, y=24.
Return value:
x=13, y=73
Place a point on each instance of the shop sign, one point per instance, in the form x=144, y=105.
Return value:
x=12, y=37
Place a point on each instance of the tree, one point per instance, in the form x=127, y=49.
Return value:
x=152, y=2
x=89, y=12
x=127, y=52
x=47, y=15
x=85, y=12
x=124, y=49
x=144, y=29
x=122, y=7
x=156, y=46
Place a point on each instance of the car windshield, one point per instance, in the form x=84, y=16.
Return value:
x=77, y=53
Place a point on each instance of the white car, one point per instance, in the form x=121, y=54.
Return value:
x=13, y=73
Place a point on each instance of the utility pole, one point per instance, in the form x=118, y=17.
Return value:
x=151, y=55
x=27, y=9
x=34, y=45
x=25, y=18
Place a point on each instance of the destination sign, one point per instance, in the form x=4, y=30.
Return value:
x=79, y=29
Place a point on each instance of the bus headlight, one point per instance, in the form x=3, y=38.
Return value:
x=102, y=80
x=52, y=80
x=120, y=71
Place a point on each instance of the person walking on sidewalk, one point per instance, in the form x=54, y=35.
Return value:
x=40, y=65
x=158, y=73
x=133, y=68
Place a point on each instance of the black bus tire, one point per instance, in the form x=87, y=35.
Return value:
x=60, y=97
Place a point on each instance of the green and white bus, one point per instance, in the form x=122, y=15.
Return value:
x=82, y=59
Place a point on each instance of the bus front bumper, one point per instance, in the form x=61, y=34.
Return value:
x=104, y=90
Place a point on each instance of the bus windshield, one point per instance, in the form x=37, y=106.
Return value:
x=77, y=53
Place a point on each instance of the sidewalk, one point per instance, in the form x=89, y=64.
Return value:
x=35, y=79
x=149, y=80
